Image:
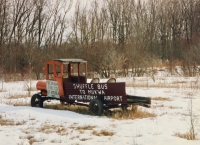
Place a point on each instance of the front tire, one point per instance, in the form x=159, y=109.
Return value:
x=36, y=101
x=96, y=107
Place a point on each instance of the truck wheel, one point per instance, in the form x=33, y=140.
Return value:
x=36, y=101
x=96, y=107
x=132, y=108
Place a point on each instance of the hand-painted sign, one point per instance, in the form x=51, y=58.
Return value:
x=109, y=92
x=52, y=89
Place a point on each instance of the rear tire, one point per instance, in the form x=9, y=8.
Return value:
x=96, y=107
x=36, y=101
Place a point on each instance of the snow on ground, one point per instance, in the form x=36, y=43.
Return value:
x=24, y=125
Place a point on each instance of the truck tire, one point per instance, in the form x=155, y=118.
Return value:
x=36, y=101
x=96, y=107
x=132, y=108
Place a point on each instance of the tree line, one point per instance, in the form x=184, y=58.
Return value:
x=111, y=35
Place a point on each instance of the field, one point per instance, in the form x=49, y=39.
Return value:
x=173, y=118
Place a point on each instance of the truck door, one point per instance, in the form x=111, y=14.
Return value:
x=54, y=79
x=59, y=77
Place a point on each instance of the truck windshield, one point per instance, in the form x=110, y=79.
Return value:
x=65, y=70
x=75, y=69
x=82, y=70
x=50, y=71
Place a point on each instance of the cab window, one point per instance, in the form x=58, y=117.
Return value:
x=50, y=71
x=65, y=70
x=58, y=70
x=82, y=69
x=74, y=69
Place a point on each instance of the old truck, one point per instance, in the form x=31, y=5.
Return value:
x=66, y=80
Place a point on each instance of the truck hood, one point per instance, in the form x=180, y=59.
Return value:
x=41, y=85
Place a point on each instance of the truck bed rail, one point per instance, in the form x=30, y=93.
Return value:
x=138, y=100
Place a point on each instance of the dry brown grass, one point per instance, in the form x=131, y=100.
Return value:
x=158, y=105
x=47, y=128
x=174, y=84
x=9, y=122
x=6, y=122
x=179, y=82
x=174, y=107
x=84, y=139
x=33, y=140
x=147, y=85
x=30, y=138
x=160, y=99
x=187, y=135
x=2, y=90
x=28, y=130
x=17, y=103
x=140, y=113
x=74, y=108
x=16, y=100
x=87, y=127
x=115, y=114
x=21, y=104
x=20, y=122
x=103, y=133
x=16, y=96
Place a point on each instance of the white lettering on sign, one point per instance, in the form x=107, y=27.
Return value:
x=113, y=98
x=102, y=86
x=96, y=92
x=82, y=97
x=52, y=89
x=83, y=86
x=91, y=91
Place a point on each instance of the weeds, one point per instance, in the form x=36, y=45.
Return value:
x=32, y=140
x=103, y=133
x=87, y=127
x=28, y=130
x=193, y=122
x=6, y=122
x=46, y=128
x=2, y=90
x=158, y=105
x=17, y=96
x=9, y=122
x=17, y=103
x=160, y=99
x=174, y=107
x=84, y=139
x=20, y=123
x=177, y=84
x=118, y=114
x=29, y=137
x=188, y=135
x=74, y=108
x=115, y=114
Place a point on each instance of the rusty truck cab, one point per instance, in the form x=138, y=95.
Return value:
x=61, y=71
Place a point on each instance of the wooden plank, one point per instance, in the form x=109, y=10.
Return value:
x=113, y=93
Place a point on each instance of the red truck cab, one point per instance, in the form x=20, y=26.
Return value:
x=59, y=72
